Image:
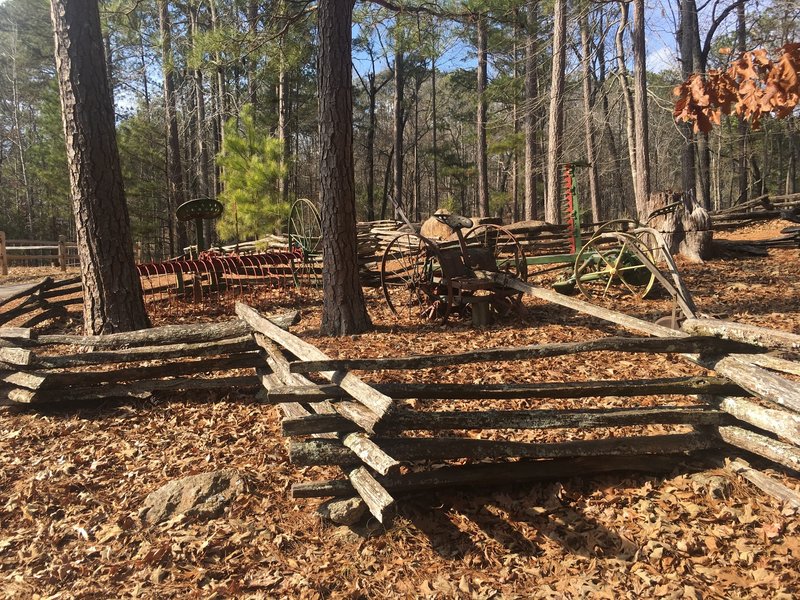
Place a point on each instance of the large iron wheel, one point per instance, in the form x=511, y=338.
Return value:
x=412, y=281
x=507, y=256
x=305, y=242
x=612, y=259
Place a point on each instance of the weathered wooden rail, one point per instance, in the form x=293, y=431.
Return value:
x=59, y=252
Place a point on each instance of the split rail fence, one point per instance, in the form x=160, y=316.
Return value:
x=36, y=252
x=386, y=447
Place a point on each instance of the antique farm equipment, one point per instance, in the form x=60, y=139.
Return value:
x=197, y=210
x=421, y=278
x=305, y=242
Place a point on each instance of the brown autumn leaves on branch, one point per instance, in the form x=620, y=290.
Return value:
x=753, y=86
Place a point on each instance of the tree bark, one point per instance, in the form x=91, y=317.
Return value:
x=588, y=121
x=641, y=183
x=176, y=193
x=343, y=309
x=482, y=159
x=741, y=126
x=625, y=89
x=112, y=290
x=399, y=124
x=555, y=129
x=531, y=96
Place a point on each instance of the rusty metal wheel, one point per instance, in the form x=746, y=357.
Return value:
x=506, y=256
x=411, y=279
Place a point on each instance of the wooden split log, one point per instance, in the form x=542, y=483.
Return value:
x=783, y=423
x=378, y=403
x=374, y=495
x=769, y=448
x=718, y=386
x=16, y=333
x=742, y=332
x=49, y=311
x=27, y=291
x=235, y=345
x=739, y=369
x=46, y=380
x=765, y=483
x=488, y=475
x=708, y=345
x=323, y=452
x=16, y=356
x=775, y=363
x=406, y=420
x=136, y=389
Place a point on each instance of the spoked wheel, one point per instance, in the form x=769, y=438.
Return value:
x=305, y=240
x=412, y=281
x=608, y=266
x=494, y=248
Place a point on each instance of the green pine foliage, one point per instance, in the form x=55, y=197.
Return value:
x=251, y=168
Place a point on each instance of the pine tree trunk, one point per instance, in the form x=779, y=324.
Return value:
x=343, y=309
x=370, y=158
x=625, y=89
x=283, y=126
x=555, y=129
x=531, y=96
x=434, y=135
x=742, y=128
x=112, y=289
x=175, y=189
x=482, y=159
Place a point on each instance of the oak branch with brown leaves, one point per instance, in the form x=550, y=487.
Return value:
x=753, y=86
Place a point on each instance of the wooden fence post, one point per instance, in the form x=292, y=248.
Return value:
x=62, y=253
x=3, y=257
x=137, y=250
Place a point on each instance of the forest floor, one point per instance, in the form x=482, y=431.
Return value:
x=72, y=482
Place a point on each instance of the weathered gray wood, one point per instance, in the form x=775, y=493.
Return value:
x=34, y=287
x=61, y=291
x=377, y=499
x=648, y=345
x=371, y=454
x=774, y=450
x=170, y=334
x=16, y=356
x=378, y=403
x=47, y=380
x=137, y=389
x=775, y=363
x=49, y=311
x=407, y=420
x=16, y=333
x=742, y=332
x=581, y=389
x=323, y=452
x=486, y=475
x=765, y=483
x=738, y=369
x=237, y=345
x=780, y=422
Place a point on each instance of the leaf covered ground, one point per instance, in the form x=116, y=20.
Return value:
x=72, y=482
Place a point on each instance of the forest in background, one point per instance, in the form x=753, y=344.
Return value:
x=459, y=105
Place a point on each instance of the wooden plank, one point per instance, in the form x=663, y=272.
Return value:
x=324, y=452
x=783, y=423
x=137, y=389
x=742, y=332
x=46, y=380
x=378, y=403
x=775, y=363
x=489, y=475
x=237, y=345
x=738, y=369
x=406, y=420
x=647, y=345
x=774, y=450
x=16, y=356
x=765, y=483
x=369, y=452
x=717, y=386
x=374, y=495
x=16, y=333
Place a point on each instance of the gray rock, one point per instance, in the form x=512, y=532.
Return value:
x=343, y=512
x=715, y=486
x=203, y=496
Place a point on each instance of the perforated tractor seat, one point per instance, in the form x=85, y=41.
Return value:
x=454, y=221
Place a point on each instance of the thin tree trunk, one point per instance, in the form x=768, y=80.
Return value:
x=642, y=181
x=482, y=159
x=252, y=23
x=399, y=123
x=625, y=89
x=531, y=96
x=588, y=122
x=283, y=126
x=175, y=193
x=370, y=158
x=112, y=290
x=742, y=128
x=555, y=129
x=343, y=309
x=434, y=132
